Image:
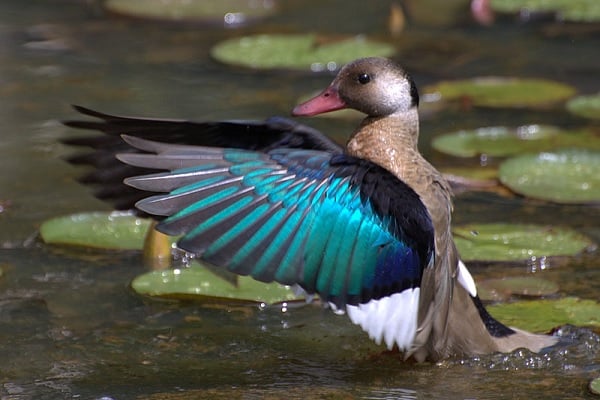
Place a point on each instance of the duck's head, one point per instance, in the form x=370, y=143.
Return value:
x=375, y=86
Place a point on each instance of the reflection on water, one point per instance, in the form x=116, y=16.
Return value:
x=70, y=326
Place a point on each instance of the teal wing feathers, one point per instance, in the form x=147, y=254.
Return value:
x=338, y=226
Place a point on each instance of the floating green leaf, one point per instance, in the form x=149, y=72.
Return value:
x=595, y=386
x=543, y=315
x=200, y=283
x=568, y=176
x=502, y=141
x=513, y=242
x=585, y=106
x=119, y=231
x=502, y=92
x=228, y=12
x=303, y=51
x=501, y=289
x=568, y=10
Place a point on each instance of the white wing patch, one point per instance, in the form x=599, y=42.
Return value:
x=465, y=279
x=391, y=319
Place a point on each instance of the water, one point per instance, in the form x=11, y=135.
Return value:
x=71, y=328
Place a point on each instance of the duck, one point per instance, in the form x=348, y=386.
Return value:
x=366, y=226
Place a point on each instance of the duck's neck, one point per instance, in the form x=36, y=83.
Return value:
x=389, y=141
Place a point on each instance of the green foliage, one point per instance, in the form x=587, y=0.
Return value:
x=567, y=176
x=514, y=242
x=585, y=106
x=198, y=282
x=595, y=386
x=568, y=10
x=118, y=231
x=303, y=51
x=503, y=92
x=502, y=141
x=543, y=315
x=178, y=10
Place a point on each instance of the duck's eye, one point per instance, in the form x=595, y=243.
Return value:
x=364, y=78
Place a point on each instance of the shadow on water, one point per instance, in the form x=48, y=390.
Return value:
x=70, y=327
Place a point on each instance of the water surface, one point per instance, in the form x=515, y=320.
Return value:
x=69, y=325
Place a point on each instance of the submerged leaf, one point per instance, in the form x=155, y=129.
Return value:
x=499, y=141
x=474, y=178
x=513, y=242
x=566, y=10
x=543, y=315
x=585, y=106
x=116, y=230
x=504, y=288
x=227, y=12
x=301, y=51
x=502, y=92
x=568, y=176
x=198, y=282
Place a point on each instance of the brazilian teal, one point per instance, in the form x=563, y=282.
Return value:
x=365, y=226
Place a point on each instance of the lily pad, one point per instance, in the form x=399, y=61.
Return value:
x=228, y=12
x=502, y=92
x=116, y=230
x=504, y=288
x=514, y=242
x=567, y=10
x=198, y=282
x=595, y=386
x=302, y=51
x=585, y=106
x=502, y=141
x=543, y=315
x=567, y=176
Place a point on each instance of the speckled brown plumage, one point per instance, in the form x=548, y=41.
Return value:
x=449, y=323
x=424, y=302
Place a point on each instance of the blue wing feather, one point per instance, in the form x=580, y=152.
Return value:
x=336, y=225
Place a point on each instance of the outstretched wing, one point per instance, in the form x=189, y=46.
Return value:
x=108, y=173
x=338, y=226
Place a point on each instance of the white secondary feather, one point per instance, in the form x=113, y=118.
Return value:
x=465, y=279
x=391, y=319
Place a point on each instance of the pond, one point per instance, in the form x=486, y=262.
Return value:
x=71, y=327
